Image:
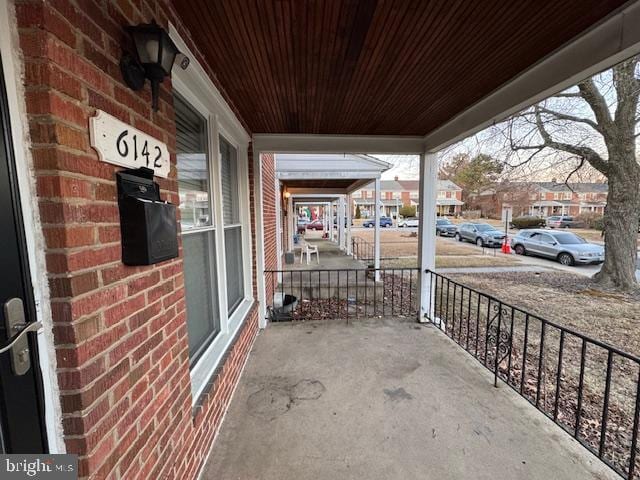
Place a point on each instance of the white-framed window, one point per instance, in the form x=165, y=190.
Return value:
x=213, y=186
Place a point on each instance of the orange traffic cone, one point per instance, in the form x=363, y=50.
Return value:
x=506, y=248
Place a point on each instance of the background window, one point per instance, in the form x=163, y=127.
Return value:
x=232, y=225
x=198, y=245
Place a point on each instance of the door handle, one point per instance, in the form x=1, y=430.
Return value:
x=18, y=345
x=9, y=344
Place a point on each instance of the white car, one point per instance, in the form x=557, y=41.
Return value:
x=408, y=222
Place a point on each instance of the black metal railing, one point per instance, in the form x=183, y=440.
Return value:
x=589, y=388
x=362, y=249
x=342, y=293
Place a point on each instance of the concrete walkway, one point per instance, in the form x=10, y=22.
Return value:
x=383, y=400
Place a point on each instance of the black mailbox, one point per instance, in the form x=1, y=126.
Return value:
x=148, y=225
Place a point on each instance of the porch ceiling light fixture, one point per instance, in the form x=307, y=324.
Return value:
x=156, y=53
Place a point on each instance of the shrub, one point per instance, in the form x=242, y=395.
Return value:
x=358, y=212
x=527, y=222
x=591, y=220
x=408, y=211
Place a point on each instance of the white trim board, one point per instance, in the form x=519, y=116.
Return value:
x=356, y=144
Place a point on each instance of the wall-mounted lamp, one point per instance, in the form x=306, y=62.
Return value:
x=287, y=194
x=156, y=53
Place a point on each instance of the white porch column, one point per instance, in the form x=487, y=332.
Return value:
x=292, y=224
x=341, y=216
x=348, y=218
x=427, y=231
x=376, y=228
x=278, y=198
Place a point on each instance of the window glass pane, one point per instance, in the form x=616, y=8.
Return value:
x=200, y=290
x=229, y=173
x=193, y=166
x=233, y=262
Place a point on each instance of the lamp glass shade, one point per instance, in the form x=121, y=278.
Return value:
x=147, y=45
x=168, y=53
x=155, y=48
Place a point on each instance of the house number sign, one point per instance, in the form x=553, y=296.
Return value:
x=121, y=144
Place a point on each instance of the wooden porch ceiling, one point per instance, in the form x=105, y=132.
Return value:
x=374, y=67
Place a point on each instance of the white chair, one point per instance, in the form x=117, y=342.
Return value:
x=309, y=250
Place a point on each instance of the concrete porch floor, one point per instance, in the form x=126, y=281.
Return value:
x=383, y=400
x=331, y=257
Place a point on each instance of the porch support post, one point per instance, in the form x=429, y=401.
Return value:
x=278, y=200
x=376, y=229
x=292, y=224
x=348, y=219
x=341, y=214
x=427, y=231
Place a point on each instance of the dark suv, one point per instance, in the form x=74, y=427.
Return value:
x=445, y=228
x=384, y=222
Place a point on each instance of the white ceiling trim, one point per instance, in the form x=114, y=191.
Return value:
x=356, y=144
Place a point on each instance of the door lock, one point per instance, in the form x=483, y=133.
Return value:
x=18, y=344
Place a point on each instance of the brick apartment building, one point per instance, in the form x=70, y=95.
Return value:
x=397, y=193
x=543, y=198
x=137, y=363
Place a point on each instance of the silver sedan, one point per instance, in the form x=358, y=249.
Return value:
x=565, y=247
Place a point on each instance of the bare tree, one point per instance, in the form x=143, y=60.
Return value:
x=597, y=124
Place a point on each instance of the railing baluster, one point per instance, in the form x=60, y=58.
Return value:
x=605, y=407
x=583, y=354
x=634, y=435
x=468, y=318
x=523, y=374
x=453, y=314
x=497, y=359
x=393, y=290
x=486, y=330
x=513, y=313
x=558, y=376
x=461, y=315
x=477, y=333
x=540, y=365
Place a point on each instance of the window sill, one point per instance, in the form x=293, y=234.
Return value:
x=207, y=368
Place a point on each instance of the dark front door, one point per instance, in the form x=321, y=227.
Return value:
x=21, y=400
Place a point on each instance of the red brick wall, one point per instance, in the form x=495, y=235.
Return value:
x=269, y=219
x=120, y=332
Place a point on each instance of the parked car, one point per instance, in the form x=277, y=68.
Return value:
x=384, y=222
x=409, y=222
x=315, y=225
x=482, y=234
x=565, y=247
x=445, y=228
x=302, y=225
x=561, y=221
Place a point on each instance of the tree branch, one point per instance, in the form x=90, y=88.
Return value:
x=571, y=118
x=568, y=95
x=586, y=153
x=575, y=170
x=597, y=102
